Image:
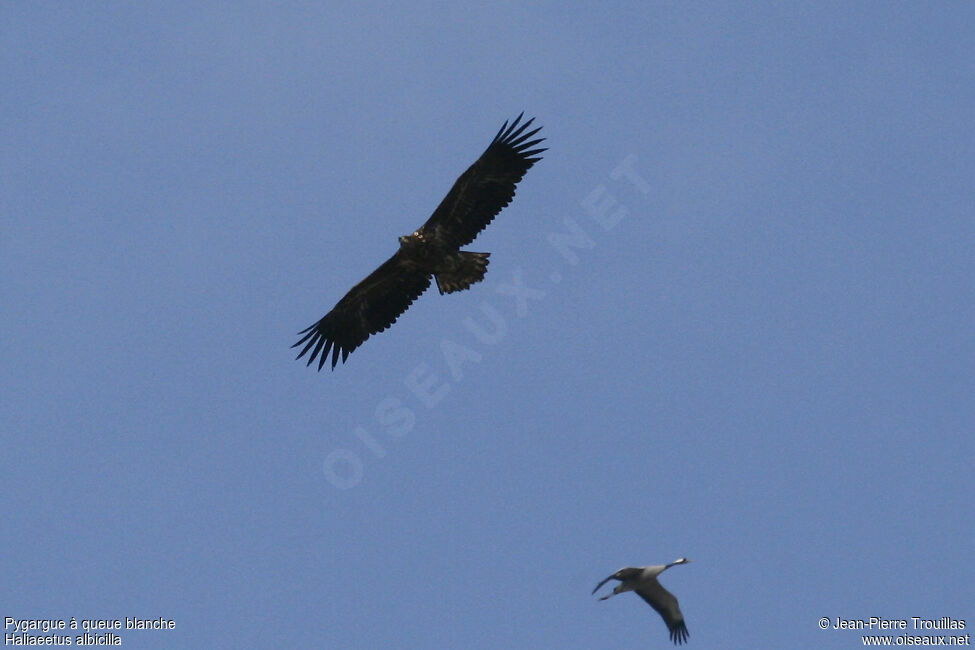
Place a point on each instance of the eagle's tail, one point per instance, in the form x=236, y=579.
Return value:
x=464, y=269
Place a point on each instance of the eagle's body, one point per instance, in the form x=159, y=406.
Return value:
x=432, y=251
x=454, y=270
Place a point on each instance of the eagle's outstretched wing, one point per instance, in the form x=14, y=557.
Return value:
x=369, y=307
x=486, y=187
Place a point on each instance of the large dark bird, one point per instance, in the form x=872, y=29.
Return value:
x=434, y=250
x=643, y=580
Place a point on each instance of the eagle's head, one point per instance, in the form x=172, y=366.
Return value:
x=412, y=240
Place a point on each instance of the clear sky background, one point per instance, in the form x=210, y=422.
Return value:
x=756, y=349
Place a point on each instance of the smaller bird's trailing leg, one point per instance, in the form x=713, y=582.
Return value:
x=620, y=588
x=643, y=580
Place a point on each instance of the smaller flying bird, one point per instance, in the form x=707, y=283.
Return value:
x=643, y=580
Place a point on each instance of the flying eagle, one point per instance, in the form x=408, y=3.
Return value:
x=433, y=250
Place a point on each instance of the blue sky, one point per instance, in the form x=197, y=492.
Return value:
x=757, y=351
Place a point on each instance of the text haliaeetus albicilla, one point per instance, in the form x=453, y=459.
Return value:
x=434, y=250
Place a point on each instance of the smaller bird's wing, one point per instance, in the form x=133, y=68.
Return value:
x=623, y=574
x=487, y=186
x=602, y=582
x=666, y=605
x=369, y=307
